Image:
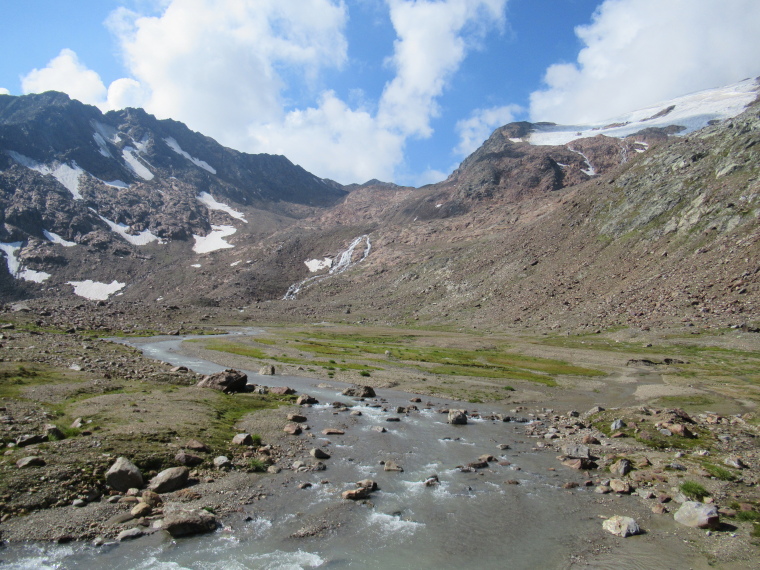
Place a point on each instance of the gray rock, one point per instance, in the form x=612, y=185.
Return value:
x=621, y=468
x=33, y=439
x=392, y=466
x=188, y=459
x=130, y=533
x=222, y=462
x=617, y=424
x=185, y=523
x=359, y=392
x=267, y=370
x=124, y=475
x=169, y=480
x=227, y=381
x=242, y=439
x=317, y=453
x=621, y=526
x=576, y=451
x=698, y=515
x=53, y=432
x=304, y=399
x=457, y=417
x=735, y=461
x=31, y=461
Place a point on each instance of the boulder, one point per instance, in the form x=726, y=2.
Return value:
x=457, y=417
x=184, y=458
x=298, y=418
x=621, y=526
x=616, y=425
x=303, y=400
x=356, y=494
x=698, y=515
x=242, y=439
x=129, y=534
x=267, y=370
x=359, y=392
x=368, y=484
x=282, y=390
x=576, y=451
x=185, y=523
x=317, y=453
x=141, y=510
x=31, y=461
x=196, y=445
x=53, y=432
x=222, y=462
x=393, y=466
x=621, y=468
x=227, y=381
x=292, y=429
x=124, y=475
x=620, y=486
x=590, y=440
x=579, y=464
x=735, y=461
x=25, y=440
x=169, y=480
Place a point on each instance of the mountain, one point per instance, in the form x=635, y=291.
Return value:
x=647, y=219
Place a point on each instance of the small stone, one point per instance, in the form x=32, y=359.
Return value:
x=79, y=503
x=292, y=429
x=659, y=509
x=242, y=439
x=620, y=486
x=297, y=418
x=379, y=429
x=196, y=445
x=735, y=462
x=184, y=458
x=222, y=462
x=151, y=498
x=332, y=431
x=317, y=453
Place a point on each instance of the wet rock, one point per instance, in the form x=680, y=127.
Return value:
x=392, y=466
x=368, y=484
x=697, y=515
x=169, y=480
x=457, y=417
x=184, y=458
x=303, y=400
x=141, y=510
x=292, y=429
x=227, y=381
x=31, y=461
x=267, y=370
x=393, y=419
x=356, y=413
x=431, y=481
x=305, y=485
x=317, y=453
x=579, y=464
x=621, y=526
x=333, y=431
x=222, y=462
x=297, y=418
x=123, y=475
x=379, y=429
x=478, y=465
x=130, y=533
x=242, y=439
x=186, y=523
x=359, y=392
x=282, y=390
x=355, y=494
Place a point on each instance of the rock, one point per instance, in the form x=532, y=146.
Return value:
x=621, y=468
x=151, y=498
x=659, y=509
x=594, y=410
x=477, y=465
x=503, y=446
x=590, y=440
x=179, y=369
x=77, y=423
x=267, y=370
x=297, y=418
x=274, y=469
x=123, y=475
x=187, y=459
x=31, y=461
x=698, y=515
x=292, y=429
x=379, y=429
x=603, y=489
x=242, y=439
x=368, y=484
x=355, y=494
x=78, y=503
x=620, y=486
x=359, y=392
x=355, y=413
x=621, y=526
x=303, y=400
x=305, y=485
x=393, y=466
x=53, y=432
x=185, y=523
x=735, y=461
x=487, y=458
x=393, y=419
x=317, y=453
x=141, y=510
x=196, y=445
x=332, y=431
x=579, y=464
x=169, y=480
x=457, y=417
x=222, y=462
x=130, y=533
x=33, y=439
x=617, y=425
x=227, y=381
x=680, y=430
x=282, y=390
x=576, y=451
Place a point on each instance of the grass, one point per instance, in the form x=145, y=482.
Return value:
x=693, y=490
x=718, y=472
x=257, y=465
x=229, y=410
x=238, y=348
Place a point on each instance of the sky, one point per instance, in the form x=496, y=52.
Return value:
x=398, y=90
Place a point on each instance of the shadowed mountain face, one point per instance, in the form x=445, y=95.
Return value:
x=646, y=227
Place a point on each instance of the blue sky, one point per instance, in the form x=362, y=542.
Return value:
x=400, y=90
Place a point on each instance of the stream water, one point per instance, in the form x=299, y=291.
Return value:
x=469, y=519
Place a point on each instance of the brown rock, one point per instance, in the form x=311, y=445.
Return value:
x=292, y=429
x=282, y=390
x=332, y=431
x=355, y=494
x=227, y=381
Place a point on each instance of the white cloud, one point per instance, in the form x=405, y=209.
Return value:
x=480, y=124
x=66, y=73
x=4, y=91
x=638, y=52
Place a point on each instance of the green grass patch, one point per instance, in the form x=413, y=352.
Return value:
x=222, y=345
x=230, y=409
x=748, y=516
x=718, y=472
x=257, y=465
x=693, y=490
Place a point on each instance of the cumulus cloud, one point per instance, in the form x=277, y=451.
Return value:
x=66, y=73
x=639, y=52
x=478, y=126
x=4, y=91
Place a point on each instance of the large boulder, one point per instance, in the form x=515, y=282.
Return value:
x=185, y=523
x=169, y=480
x=124, y=475
x=621, y=526
x=227, y=381
x=359, y=392
x=698, y=515
x=457, y=417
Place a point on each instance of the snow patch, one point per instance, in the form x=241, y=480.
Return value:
x=234, y=263
x=195, y=265
x=67, y=175
x=590, y=171
x=135, y=165
x=116, y=183
x=55, y=238
x=174, y=145
x=94, y=290
x=208, y=200
x=215, y=240
x=315, y=265
x=143, y=238
x=102, y=145
x=14, y=265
